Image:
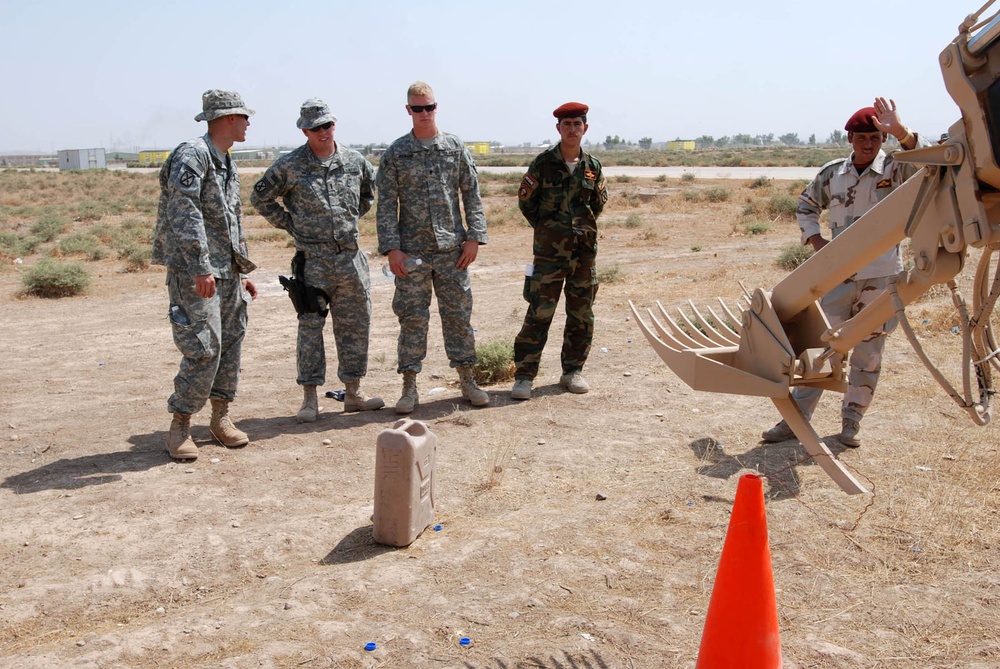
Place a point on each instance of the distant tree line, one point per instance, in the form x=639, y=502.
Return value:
x=836, y=138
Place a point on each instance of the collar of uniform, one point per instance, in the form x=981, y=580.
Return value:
x=555, y=151
x=877, y=166
x=333, y=157
x=216, y=156
x=435, y=140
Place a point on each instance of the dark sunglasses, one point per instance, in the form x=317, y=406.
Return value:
x=416, y=109
x=325, y=126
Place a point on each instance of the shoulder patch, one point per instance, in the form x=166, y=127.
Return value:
x=589, y=174
x=602, y=189
x=187, y=177
x=884, y=183
x=528, y=184
x=260, y=186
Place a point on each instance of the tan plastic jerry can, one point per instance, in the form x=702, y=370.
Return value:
x=404, y=482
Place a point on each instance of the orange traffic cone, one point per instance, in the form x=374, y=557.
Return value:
x=741, y=629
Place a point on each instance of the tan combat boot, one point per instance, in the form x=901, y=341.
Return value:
x=356, y=400
x=310, y=406
x=470, y=390
x=222, y=427
x=410, y=399
x=179, y=443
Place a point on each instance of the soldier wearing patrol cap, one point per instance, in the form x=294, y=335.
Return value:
x=199, y=238
x=561, y=196
x=849, y=187
x=324, y=188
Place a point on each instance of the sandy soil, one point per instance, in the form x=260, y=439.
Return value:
x=577, y=531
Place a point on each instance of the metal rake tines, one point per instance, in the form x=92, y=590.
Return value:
x=696, y=330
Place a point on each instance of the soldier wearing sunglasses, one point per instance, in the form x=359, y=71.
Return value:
x=425, y=179
x=324, y=189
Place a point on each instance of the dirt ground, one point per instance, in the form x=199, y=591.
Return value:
x=576, y=531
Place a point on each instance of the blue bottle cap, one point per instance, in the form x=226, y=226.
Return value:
x=437, y=528
x=370, y=645
x=464, y=641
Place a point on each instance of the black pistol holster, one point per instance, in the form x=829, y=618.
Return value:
x=305, y=299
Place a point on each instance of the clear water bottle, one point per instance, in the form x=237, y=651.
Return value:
x=178, y=316
x=409, y=265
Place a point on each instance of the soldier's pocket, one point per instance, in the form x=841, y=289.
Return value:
x=193, y=338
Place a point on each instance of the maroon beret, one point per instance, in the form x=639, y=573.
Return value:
x=571, y=110
x=862, y=121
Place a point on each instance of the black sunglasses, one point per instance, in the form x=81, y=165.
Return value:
x=325, y=126
x=416, y=109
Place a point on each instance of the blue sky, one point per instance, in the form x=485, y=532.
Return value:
x=129, y=75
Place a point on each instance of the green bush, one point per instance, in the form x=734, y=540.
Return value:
x=794, y=254
x=660, y=178
x=691, y=196
x=15, y=245
x=633, y=221
x=756, y=227
x=622, y=179
x=781, y=204
x=494, y=362
x=51, y=278
x=48, y=227
x=687, y=177
x=82, y=244
x=760, y=182
x=136, y=256
x=717, y=194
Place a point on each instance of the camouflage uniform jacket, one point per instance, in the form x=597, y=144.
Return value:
x=560, y=205
x=199, y=226
x=848, y=195
x=418, y=193
x=322, y=202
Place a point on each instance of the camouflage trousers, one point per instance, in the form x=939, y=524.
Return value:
x=344, y=277
x=841, y=304
x=542, y=291
x=412, y=301
x=209, y=334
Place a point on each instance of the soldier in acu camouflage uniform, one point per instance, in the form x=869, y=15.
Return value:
x=199, y=238
x=561, y=195
x=849, y=187
x=324, y=189
x=425, y=180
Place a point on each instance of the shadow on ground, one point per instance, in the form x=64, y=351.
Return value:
x=776, y=463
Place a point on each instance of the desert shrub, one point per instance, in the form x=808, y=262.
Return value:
x=52, y=278
x=756, y=227
x=691, y=196
x=484, y=190
x=15, y=245
x=760, y=182
x=687, y=177
x=136, y=256
x=623, y=179
x=48, y=227
x=797, y=186
x=696, y=248
x=633, y=221
x=610, y=274
x=660, y=178
x=89, y=211
x=792, y=255
x=494, y=362
x=82, y=244
x=717, y=194
x=272, y=235
x=781, y=204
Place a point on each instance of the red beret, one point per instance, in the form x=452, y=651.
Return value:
x=571, y=110
x=862, y=121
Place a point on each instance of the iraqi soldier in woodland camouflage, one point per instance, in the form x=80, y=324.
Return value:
x=848, y=188
x=425, y=180
x=324, y=189
x=561, y=196
x=199, y=238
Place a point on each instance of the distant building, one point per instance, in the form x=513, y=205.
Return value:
x=478, y=148
x=29, y=160
x=81, y=159
x=681, y=145
x=154, y=156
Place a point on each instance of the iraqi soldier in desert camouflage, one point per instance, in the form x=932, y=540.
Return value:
x=324, y=189
x=561, y=196
x=199, y=238
x=425, y=180
x=847, y=188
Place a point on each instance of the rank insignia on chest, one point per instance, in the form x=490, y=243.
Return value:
x=884, y=183
x=590, y=175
